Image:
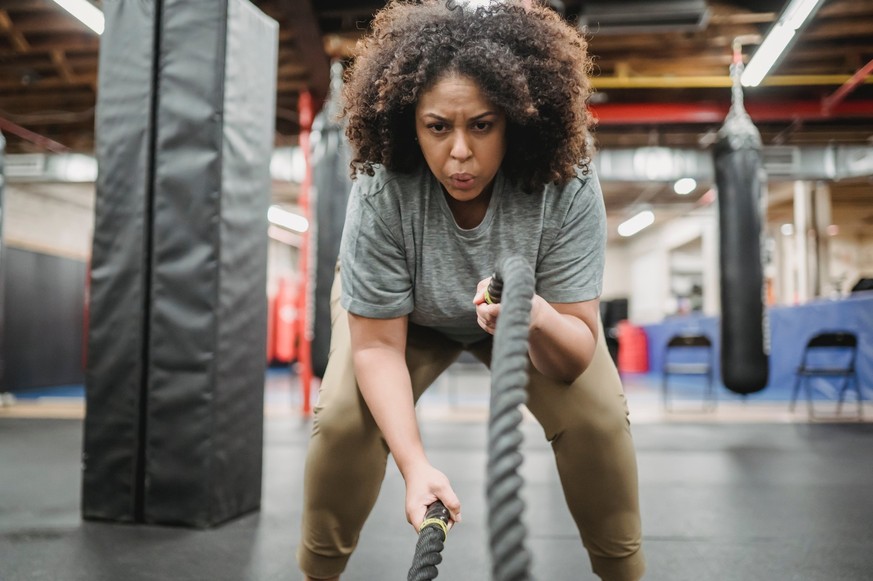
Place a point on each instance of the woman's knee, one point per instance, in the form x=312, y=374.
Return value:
x=594, y=403
x=345, y=423
x=599, y=428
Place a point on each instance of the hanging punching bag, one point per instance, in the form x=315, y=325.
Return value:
x=738, y=176
x=331, y=185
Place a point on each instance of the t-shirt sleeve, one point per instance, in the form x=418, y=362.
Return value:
x=571, y=269
x=375, y=276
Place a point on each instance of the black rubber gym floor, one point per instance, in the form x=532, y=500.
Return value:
x=720, y=501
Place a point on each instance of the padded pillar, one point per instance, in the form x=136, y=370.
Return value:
x=174, y=425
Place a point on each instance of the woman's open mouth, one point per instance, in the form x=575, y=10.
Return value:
x=462, y=181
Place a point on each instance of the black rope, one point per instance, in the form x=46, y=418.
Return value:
x=431, y=539
x=510, y=559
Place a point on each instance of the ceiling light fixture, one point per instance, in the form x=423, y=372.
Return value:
x=287, y=220
x=792, y=18
x=87, y=13
x=684, y=186
x=636, y=223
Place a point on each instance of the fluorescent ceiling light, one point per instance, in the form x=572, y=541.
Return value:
x=287, y=220
x=633, y=225
x=684, y=186
x=792, y=18
x=87, y=13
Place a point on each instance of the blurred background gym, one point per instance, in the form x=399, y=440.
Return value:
x=220, y=193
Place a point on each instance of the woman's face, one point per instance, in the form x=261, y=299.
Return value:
x=462, y=136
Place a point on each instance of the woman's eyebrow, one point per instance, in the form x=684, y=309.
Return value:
x=475, y=118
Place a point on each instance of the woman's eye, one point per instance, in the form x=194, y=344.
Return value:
x=437, y=127
x=482, y=125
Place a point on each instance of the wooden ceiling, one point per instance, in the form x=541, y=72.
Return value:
x=667, y=87
x=663, y=85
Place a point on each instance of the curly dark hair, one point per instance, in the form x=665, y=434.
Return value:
x=527, y=61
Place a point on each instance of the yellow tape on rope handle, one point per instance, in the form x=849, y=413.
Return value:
x=435, y=521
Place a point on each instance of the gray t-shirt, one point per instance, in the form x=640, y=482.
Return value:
x=402, y=252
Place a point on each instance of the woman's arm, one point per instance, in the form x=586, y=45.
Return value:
x=562, y=335
x=379, y=355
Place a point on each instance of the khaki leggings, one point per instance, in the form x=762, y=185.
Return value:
x=586, y=423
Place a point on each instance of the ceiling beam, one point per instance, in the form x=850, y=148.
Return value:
x=75, y=100
x=714, y=81
x=47, y=85
x=15, y=36
x=60, y=62
x=29, y=5
x=67, y=42
x=665, y=113
x=35, y=138
x=61, y=21
x=832, y=100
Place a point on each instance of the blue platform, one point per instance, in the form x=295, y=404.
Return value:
x=790, y=329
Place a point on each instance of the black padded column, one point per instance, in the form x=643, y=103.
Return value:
x=117, y=357
x=198, y=404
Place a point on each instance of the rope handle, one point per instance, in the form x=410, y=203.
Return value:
x=437, y=515
x=494, y=290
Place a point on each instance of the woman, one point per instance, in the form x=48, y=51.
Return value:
x=469, y=130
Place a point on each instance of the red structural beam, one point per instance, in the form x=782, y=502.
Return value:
x=35, y=138
x=664, y=113
x=831, y=101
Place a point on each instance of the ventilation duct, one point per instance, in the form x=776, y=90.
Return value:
x=640, y=164
x=659, y=164
x=643, y=17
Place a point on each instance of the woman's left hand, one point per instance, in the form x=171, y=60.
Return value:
x=486, y=315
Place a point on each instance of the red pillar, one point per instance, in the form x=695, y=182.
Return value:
x=304, y=334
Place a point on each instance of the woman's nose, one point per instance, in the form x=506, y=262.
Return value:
x=460, y=148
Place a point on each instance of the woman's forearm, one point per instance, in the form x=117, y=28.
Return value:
x=383, y=379
x=561, y=344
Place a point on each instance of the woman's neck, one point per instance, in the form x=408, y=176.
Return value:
x=470, y=214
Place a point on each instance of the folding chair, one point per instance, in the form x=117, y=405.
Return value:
x=689, y=354
x=829, y=355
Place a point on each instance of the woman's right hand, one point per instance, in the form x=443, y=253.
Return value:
x=486, y=313
x=424, y=486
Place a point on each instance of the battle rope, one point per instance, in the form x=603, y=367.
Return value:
x=431, y=535
x=510, y=559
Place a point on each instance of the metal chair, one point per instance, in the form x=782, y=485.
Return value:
x=689, y=354
x=829, y=355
